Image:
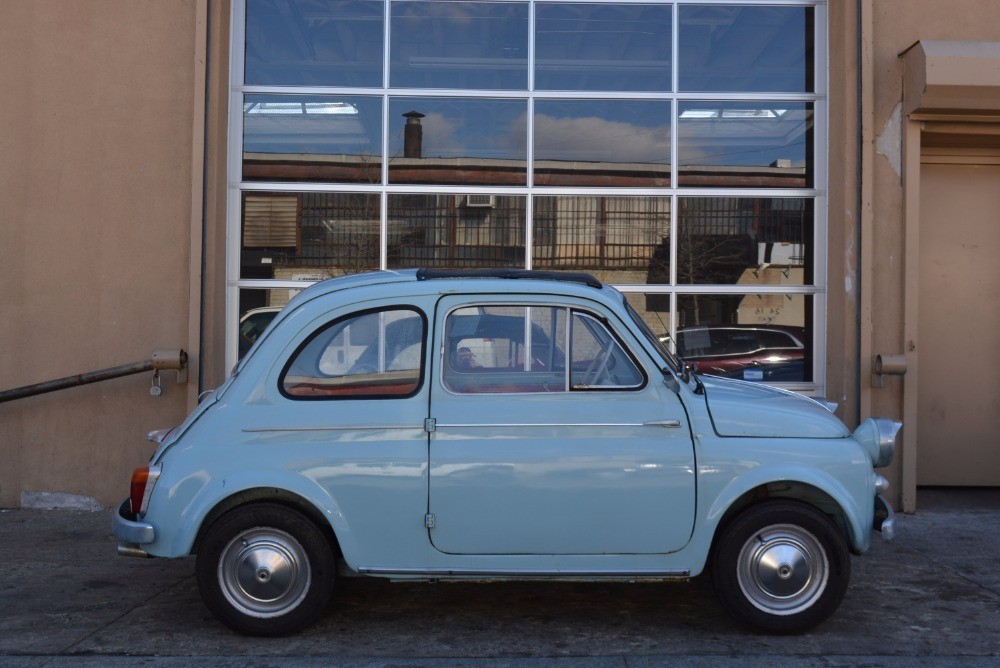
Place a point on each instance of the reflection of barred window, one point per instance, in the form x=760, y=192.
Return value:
x=599, y=232
x=339, y=231
x=453, y=231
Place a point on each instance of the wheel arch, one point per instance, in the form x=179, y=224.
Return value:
x=835, y=506
x=274, y=495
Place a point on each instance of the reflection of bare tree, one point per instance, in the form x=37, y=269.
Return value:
x=716, y=243
x=706, y=259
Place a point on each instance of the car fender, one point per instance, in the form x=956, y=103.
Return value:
x=856, y=516
x=250, y=484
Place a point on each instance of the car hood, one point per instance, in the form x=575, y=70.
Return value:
x=740, y=408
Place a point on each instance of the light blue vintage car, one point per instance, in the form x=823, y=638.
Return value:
x=500, y=424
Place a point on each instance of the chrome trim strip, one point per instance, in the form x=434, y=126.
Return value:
x=663, y=423
x=348, y=428
x=524, y=572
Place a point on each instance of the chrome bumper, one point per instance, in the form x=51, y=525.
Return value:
x=885, y=518
x=130, y=533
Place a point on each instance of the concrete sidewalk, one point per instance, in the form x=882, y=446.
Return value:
x=931, y=598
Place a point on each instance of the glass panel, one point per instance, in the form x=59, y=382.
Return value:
x=746, y=144
x=456, y=231
x=315, y=138
x=309, y=236
x=314, y=43
x=505, y=349
x=459, y=141
x=610, y=46
x=621, y=240
x=257, y=309
x=369, y=355
x=598, y=360
x=654, y=310
x=474, y=45
x=609, y=143
x=752, y=337
x=745, y=240
x=746, y=49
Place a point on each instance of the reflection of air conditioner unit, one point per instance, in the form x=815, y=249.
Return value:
x=484, y=201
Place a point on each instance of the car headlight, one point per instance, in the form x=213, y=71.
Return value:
x=878, y=437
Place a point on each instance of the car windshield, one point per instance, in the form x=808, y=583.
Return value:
x=652, y=338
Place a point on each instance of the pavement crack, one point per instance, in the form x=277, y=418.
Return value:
x=69, y=648
x=952, y=569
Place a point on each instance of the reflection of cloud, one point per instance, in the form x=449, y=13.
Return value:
x=449, y=136
x=440, y=138
x=598, y=139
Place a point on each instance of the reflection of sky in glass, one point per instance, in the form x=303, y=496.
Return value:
x=463, y=127
x=310, y=42
x=612, y=46
x=603, y=130
x=759, y=134
x=312, y=125
x=746, y=49
x=459, y=45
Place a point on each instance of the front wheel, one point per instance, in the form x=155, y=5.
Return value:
x=265, y=570
x=781, y=567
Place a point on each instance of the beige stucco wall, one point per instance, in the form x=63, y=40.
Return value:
x=100, y=184
x=105, y=178
x=894, y=26
x=843, y=296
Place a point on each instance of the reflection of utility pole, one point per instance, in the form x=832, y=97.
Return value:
x=413, y=135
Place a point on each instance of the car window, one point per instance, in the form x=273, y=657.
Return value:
x=599, y=361
x=735, y=341
x=772, y=338
x=513, y=349
x=370, y=354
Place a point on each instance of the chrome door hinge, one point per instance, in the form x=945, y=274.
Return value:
x=429, y=520
x=430, y=425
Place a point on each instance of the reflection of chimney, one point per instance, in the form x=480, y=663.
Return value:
x=413, y=135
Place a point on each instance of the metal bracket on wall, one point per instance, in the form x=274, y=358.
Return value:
x=887, y=365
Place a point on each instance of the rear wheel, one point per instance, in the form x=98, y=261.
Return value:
x=265, y=570
x=781, y=567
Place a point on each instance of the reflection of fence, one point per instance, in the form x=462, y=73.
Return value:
x=339, y=232
x=603, y=233
x=766, y=220
x=456, y=231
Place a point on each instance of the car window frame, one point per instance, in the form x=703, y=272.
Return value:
x=568, y=388
x=318, y=331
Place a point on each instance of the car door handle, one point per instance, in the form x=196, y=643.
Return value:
x=669, y=424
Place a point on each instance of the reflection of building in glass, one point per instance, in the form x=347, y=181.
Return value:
x=456, y=231
x=557, y=136
x=625, y=239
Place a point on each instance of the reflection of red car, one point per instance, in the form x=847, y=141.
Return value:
x=751, y=352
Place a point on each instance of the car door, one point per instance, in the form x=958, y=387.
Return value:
x=551, y=433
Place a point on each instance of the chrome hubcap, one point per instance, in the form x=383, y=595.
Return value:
x=783, y=569
x=264, y=572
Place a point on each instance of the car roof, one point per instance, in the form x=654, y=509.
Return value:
x=417, y=282
x=460, y=281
